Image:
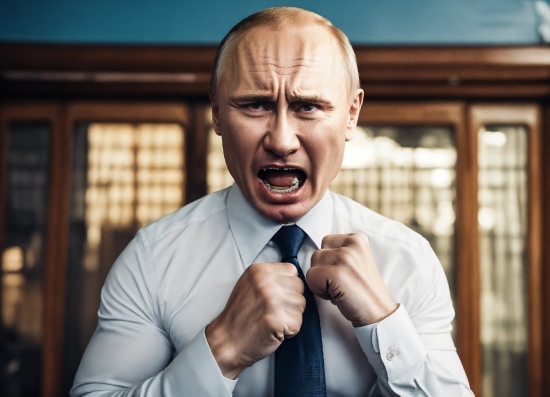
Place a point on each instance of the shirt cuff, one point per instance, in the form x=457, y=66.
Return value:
x=196, y=371
x=392, y=345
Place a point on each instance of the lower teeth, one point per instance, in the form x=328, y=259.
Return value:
x=295, y=185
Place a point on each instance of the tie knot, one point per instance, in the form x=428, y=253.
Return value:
x=289, y=239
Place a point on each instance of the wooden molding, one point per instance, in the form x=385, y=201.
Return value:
x=172, y=71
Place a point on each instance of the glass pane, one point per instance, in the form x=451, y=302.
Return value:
x=406, y=174
x=124, y=176
x=502, y=227
x=22, y=258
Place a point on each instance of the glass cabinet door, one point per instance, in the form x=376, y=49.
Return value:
x=502, y=160
x=22, y=258
x=508, y=227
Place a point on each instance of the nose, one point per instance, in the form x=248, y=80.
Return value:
x=281, y=138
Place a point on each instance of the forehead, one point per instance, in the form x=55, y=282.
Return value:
x=265, y=57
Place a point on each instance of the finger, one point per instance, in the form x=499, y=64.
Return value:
x=334, y=256
x=334, y=240
x=282, y=268
x=343, y=240
x=291, y=284
x=319, y=280
x=293, y=319
x=293, y=305
x=293, y=323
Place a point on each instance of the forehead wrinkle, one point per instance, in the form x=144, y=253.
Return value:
x=276, y=49
x=267, y=66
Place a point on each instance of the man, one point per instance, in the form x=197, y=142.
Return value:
x=206, y=301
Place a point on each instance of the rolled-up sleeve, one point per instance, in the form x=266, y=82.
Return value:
x=130, y=353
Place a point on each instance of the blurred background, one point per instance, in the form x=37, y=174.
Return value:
x=105, y=126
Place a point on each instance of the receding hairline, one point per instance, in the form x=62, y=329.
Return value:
x=278, y=18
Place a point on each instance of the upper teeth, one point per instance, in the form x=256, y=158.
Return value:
x=278, y=169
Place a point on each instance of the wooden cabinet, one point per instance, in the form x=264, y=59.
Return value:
x=476, y=105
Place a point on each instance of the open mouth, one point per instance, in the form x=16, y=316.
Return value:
x=282, y=180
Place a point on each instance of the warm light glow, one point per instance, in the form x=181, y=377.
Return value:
x=493, y=138
x=135, y=175
x=12, y=259
x=486, y=218
x=441, y=178
x=218, y=176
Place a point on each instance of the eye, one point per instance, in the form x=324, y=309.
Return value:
x=255, y=106
x=308, y=107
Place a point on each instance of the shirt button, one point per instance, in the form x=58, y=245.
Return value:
x=393, y=351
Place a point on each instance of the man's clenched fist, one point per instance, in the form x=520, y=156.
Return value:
x=264, y=308
x=344, y=272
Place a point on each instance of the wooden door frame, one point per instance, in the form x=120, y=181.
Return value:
x=528, y=115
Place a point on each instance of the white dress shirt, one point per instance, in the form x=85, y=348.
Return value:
x=176, y=276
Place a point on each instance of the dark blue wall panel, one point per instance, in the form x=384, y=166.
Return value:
x=206, y=21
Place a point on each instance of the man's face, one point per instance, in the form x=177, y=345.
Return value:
x=284, y=113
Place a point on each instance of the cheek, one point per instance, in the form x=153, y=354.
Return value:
x=326, y=156
x=236, y=136
x=239, y=146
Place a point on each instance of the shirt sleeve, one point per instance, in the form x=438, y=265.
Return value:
x=130, y=353
x=414, y=354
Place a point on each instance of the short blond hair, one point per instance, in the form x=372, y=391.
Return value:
x=278, y=17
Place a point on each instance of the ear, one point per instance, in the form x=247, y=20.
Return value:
x=353, y=116
x=215, y=112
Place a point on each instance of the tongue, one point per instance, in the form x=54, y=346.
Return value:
x=281, y=178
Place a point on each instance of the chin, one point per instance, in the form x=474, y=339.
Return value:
x=283, y=213
x=287, y=207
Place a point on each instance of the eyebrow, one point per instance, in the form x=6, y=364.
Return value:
x=269, y=98
x=251, y=98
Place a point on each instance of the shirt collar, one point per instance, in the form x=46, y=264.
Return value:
x=252, y=231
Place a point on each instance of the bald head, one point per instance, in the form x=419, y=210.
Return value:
x=279, y=18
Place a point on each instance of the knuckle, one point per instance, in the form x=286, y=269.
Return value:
x=344, y=255
x=338, y=272
x=259, y=280
x=302, y=304
x=291, y=269
x=300, y=286
x=313, y=275
x=315, y=257
x=294, y=324
x=352, y=238
x=272, y=322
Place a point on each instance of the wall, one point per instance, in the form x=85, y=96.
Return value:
x=206, y=21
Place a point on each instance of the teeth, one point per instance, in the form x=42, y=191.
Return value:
x=295, y=185
x=278, y=169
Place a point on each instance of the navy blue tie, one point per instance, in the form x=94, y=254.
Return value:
x=299, y=365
